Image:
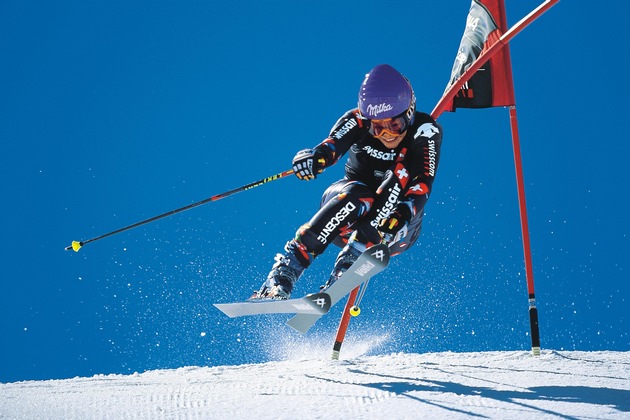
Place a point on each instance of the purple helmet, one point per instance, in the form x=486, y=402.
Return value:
x=385, y=93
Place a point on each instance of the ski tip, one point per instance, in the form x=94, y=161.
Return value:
x=320, y=301
x=380, y=252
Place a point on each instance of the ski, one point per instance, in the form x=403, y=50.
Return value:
x=310, y=308
x=316, y=303
x=371, y=262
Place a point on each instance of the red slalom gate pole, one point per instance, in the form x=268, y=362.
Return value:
x=529, y=271
x=343, y=324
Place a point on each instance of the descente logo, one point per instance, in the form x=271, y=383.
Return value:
x=336, y=220
x=374, y=110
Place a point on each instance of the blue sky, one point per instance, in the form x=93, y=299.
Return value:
x=113, y=112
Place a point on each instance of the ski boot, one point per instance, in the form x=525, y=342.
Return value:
x=345, y=259
x=285, y=272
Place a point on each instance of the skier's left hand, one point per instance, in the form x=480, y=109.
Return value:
x=398, y=218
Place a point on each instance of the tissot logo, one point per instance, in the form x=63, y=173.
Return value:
x=374, y=110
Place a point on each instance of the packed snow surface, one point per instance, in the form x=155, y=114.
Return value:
x=499, y=385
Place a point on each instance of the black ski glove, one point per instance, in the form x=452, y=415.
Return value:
x=308, y=163
x=398, y=218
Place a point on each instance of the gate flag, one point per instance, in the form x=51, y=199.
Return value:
x=491, y=85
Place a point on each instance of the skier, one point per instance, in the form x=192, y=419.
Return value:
x=393, y=158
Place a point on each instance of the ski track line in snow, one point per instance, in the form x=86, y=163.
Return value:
x=502, y=385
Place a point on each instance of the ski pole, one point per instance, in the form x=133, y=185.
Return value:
x=76, y=245
x=355, y=310
x=343, y=323
x=352, y=308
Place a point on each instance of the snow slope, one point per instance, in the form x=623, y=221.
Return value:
x=501, y=385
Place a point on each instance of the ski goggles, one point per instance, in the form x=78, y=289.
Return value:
x=389, y=126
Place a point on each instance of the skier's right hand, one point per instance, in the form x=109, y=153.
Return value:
x=398, y=218
x=308, y=163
